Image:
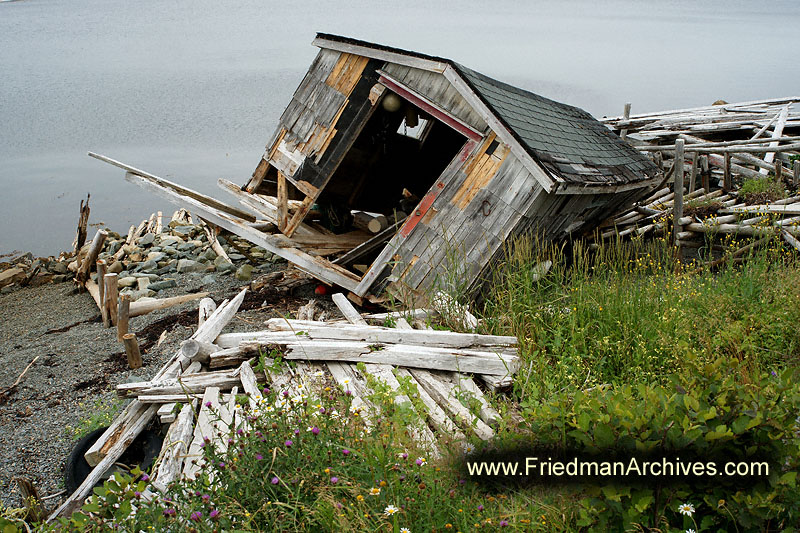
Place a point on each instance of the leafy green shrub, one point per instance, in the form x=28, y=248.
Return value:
x=706, y=410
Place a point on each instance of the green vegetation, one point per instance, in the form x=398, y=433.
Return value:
x=761, y=190
x=99, y=413
x=623, y=350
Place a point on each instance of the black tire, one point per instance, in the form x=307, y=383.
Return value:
x=142, y=452
x=76, y=468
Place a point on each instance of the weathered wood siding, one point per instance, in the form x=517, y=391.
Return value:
x=308, y=124
x=436, y=88
x=483, y=202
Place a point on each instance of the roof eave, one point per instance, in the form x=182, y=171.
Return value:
x=361, y=48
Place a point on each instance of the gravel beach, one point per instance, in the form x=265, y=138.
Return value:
x=80, y=362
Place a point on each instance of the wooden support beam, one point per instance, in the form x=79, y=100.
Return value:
x=796, y=173
x=139, y=308
x=298, y=216
x=283, y=202
x=316, y=266
x=693, y=173
x=727, y=182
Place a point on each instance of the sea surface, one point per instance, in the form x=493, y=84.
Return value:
x=191, y=90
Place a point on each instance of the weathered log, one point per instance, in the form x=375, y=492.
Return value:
x=279, y=329
x=195, y=350
x=426, y=357
x=91, y=256
x=186, y=384
x=142, y=307
x=231, y=356
x=677, y=209
x=371, y=222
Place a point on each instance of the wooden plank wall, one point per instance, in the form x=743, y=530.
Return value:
x=307, y=125
x=436, y=88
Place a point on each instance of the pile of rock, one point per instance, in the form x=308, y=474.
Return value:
x=25, y=270
x=144, y=264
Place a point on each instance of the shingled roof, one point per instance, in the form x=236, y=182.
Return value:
x=566, y=141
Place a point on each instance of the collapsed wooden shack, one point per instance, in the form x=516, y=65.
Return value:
x=390, y=169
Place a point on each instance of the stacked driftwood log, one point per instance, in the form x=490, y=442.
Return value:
x=211, y=368
x=707, y=154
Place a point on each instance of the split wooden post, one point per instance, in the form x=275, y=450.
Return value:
x=123, y=314
x=111, y=296
x=678, y=189
x=132, y=351
x=626, y=115
x=727, y=181
x=83, y=221
x=693, y=173
x=91, y=256
x=283, y=202
x=796, y=173
x=159, y=222
x=101, y=286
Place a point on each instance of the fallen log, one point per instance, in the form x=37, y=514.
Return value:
x=142, y=307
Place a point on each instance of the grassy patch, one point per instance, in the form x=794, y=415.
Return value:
x=761, y=190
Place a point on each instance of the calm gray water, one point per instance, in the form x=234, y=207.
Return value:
x=191, y=89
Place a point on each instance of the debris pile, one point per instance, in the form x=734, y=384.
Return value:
x=734, y=168
x=196, y=390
